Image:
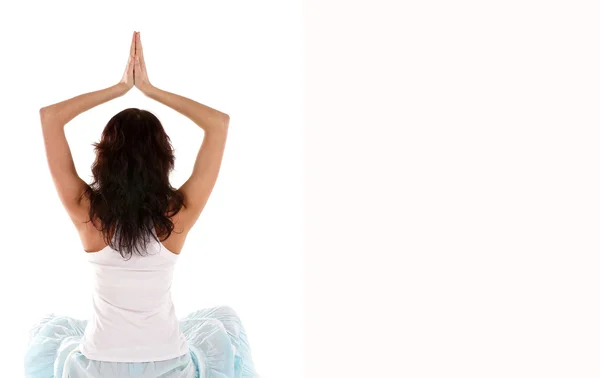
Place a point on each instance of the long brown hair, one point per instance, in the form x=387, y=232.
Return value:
x=131, y=193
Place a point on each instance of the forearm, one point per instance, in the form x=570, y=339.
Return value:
x=207, y=118
x=65, y=111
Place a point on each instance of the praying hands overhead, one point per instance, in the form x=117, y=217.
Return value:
x=135, y=72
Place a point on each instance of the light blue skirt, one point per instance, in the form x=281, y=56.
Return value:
x=217, y=341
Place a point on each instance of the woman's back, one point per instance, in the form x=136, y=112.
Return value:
x=133, y=318
x=134, y=330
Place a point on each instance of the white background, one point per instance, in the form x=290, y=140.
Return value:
x=245, y=251
x=452, y=187
x=453, y=224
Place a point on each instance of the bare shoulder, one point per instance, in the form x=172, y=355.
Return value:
x=181, y=228
x=93, y=240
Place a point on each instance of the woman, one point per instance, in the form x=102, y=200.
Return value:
x=133, y=225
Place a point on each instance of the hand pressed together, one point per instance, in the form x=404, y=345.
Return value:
x=135, y=72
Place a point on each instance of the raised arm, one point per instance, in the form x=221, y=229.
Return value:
x=54, y=118
x=197, y=189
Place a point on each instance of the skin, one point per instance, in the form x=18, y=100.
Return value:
x=196, y=190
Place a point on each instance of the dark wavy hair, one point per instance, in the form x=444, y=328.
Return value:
x=130, y=192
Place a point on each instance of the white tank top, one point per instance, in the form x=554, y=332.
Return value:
x=133, y=317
